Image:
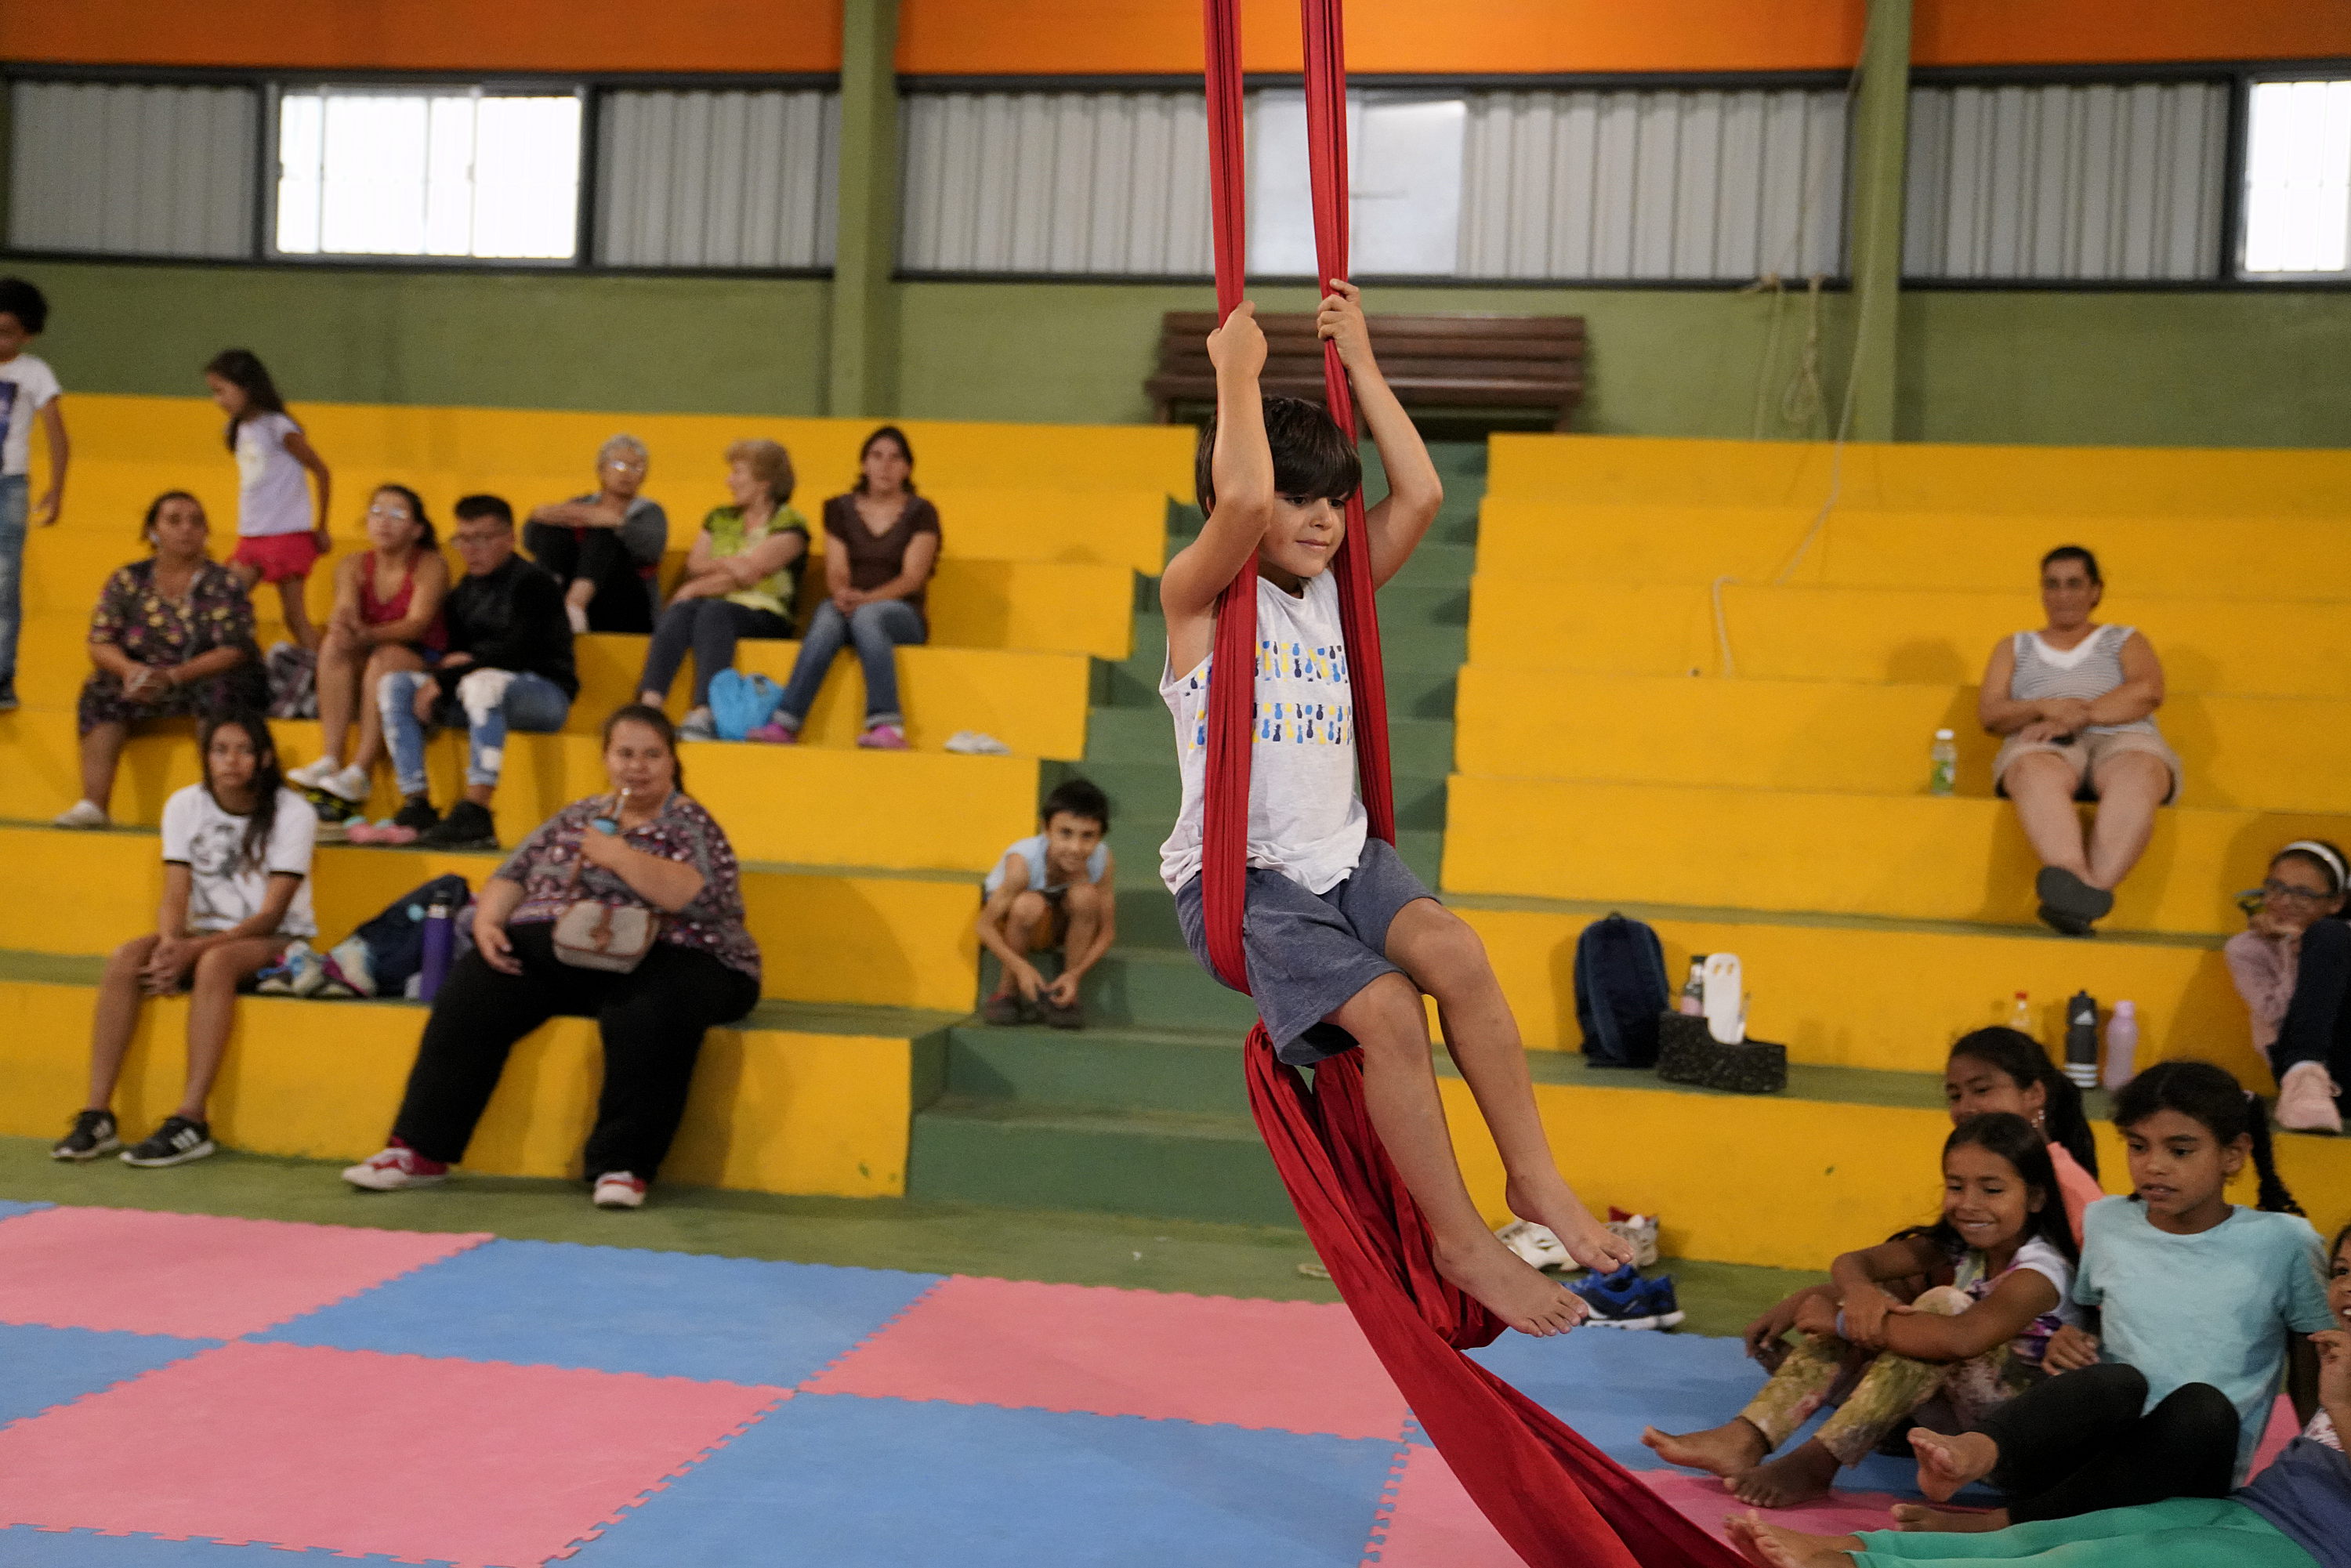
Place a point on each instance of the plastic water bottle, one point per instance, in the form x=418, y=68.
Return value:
x=1943, y=764
x=2020, y=1016
x=2082, y=1040
x=2122, y=1046
x=1693, y=998
x=438, y=934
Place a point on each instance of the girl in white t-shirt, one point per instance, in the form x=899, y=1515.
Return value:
x=236, y=890
x=1999, y=1267
x=279, y=536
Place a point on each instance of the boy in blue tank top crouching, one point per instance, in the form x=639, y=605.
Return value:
x=1053, y=891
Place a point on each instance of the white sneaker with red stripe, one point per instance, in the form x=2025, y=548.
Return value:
x=398, y=1167
x=618, y=1189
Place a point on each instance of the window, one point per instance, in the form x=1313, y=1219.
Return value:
x=2298, y=179
x=427, y=171
x=1404, y=165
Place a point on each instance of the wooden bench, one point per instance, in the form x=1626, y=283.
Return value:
x=1432, y=361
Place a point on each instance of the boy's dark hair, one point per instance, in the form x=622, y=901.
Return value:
x=1311, y=456
x=2074, y=552
x=429, y=538
x=243, y=369
x=890, y=433
x=2018, y=1142
x=653, y=718
x=468, y=508
x=1080, y=798
x=267, y=779
x=2020, y=1056
x=155, y=510
x=24, y=302
x=2203, y=1093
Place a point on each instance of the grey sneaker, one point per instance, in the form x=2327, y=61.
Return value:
x=175, y=1142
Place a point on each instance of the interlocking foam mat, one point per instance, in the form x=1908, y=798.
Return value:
x=181, y=1391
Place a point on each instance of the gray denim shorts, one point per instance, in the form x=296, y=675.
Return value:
x=1308, y=954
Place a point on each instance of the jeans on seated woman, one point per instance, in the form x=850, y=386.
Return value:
x=878, y=629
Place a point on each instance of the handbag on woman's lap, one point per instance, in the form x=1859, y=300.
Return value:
x=592, y=935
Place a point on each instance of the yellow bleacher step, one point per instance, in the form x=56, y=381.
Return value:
x=804, y=805
x=1033, y=702
x=1919, y=476
x=824, y=935
x=774, y=1108
x=1882, y=994
x=2246, y=647
x=2263, y=753
x=1913, y=857
x=2214, y=557
x=358, y=438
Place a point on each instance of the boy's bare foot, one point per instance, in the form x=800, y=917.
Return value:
x=1521, y=1296
x=1947, y=1462
x=1726, y=1451
x=1794, y=1478
x=1919, y=1519
x=1777, y=1546
x=1552, y=1202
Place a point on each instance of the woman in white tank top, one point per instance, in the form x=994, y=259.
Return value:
x=2076, y=702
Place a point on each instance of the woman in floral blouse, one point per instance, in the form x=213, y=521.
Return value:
x=172, y=638
x=646, y=844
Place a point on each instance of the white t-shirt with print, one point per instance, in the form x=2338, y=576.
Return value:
x=27, y=385
x=224, y=888
x=1305, y=820
x=272, y=494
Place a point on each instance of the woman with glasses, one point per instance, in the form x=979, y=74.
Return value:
x=2075, y=704
x=605, y=547
x=2293, y=966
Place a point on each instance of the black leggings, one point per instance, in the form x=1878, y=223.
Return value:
x=2078, y=1443
x=653, y=1019
x=710, y=627
x=2318, y=1023
x=622, y=602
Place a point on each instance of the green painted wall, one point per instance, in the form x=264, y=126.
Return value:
x=2240, y=368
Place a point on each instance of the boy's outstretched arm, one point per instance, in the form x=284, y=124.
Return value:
x=1242, y=468
x=1397, y=524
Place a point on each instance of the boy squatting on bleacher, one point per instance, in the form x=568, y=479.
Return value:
x=1053, y=891
x=1341, y=938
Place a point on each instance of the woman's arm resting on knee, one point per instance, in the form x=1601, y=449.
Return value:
x=2141, y=692
x=1399, y=523
x=1242, y=467
x=914, y=570
x=500, y=896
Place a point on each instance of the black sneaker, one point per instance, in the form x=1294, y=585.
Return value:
x=175, y=1142
x=467, y=826
x=416, y=812
x=93, y=1134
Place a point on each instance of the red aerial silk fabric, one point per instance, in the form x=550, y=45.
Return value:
x=1558, y=1500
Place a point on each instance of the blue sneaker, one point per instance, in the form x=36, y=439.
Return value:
x=1625, y=1301
x=1662, y=1304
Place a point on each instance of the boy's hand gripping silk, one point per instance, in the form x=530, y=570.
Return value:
x=1558, y=1500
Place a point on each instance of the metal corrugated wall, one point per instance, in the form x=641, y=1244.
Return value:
x=132, y=170
x=1109, y=182
x=716, y=179
x=2073, y=181
x=1707, y=185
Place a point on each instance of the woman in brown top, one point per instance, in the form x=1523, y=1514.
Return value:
x=882, y=541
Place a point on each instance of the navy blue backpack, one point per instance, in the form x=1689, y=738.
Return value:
x=1620, y=992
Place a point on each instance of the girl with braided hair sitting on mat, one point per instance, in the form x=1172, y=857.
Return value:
x=1342, y=939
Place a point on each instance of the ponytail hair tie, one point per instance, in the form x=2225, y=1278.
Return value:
x=2325, y=855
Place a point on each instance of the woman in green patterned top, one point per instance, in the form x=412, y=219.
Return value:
x=739, y=581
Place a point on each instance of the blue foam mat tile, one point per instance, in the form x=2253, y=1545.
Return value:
x=611, y=1309
x=10, y=1208
x=42, y=1366
x=23, y=1546
x=845, y=1482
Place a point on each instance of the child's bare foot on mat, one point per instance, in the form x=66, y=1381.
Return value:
x=1777, y=1546
x=1947, y=1462
x=1523, y=1297
x=1552, y=1202
x=1727, y=1450
x=1919, y=1519
x=1794, y=1478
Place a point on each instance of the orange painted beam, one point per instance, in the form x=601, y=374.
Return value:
x=2100, y=32
x=432, y=35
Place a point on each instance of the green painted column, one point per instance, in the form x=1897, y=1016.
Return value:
x=861, y=376
x=1881, y=139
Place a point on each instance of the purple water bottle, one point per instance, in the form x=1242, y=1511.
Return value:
x=437, y=935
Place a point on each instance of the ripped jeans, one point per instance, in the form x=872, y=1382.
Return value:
x=493, y=702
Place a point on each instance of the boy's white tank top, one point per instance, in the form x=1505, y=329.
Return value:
x=1305, y=818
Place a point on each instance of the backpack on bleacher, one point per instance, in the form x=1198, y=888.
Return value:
x=1620, y=992
x=740, y=704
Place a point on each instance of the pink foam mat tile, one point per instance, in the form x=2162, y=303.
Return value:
x=1295, y=1366
x=480, y=1464
x=197, y=1276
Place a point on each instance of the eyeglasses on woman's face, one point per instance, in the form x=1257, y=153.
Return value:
x=2288, y=892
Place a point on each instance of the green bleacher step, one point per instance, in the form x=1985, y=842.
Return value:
x=1004, y=1154
x=1163, y=989
x=1181, y=1072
